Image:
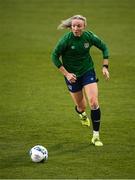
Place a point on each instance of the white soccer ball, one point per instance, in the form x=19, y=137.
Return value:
x=38, y=154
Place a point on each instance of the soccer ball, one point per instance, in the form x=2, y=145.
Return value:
x=38, y=154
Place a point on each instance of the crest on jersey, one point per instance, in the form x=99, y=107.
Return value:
x=86, y=45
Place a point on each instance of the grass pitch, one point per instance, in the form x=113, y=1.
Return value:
x=35, y=107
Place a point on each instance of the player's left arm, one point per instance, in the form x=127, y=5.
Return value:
x=105, y=69
x=103, y=47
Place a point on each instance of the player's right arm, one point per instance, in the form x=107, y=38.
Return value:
x=56, y=54
x=71, y=77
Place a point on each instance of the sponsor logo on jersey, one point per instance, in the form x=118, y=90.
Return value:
x=72, y=47
x=86, y=45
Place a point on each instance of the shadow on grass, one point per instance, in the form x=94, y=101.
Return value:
x=16, y=160
x=68, y=148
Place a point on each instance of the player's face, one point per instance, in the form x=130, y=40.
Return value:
x=77, y=27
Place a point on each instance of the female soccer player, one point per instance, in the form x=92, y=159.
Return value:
x=72, y=57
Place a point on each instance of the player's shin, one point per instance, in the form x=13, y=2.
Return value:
x=95, y=117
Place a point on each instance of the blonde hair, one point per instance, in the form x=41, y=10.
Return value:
x=65, y=24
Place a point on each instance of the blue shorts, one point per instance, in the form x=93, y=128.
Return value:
x=87, y=78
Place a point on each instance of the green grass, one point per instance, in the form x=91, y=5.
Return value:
x=35, y=106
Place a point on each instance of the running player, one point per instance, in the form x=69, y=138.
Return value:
x=71, y=56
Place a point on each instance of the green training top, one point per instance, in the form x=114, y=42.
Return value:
x=75, y=52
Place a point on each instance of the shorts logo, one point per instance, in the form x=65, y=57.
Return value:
x=91, y=78
x=69, y=87
x=86, y=45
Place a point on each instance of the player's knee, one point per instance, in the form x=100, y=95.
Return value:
x=94, y=103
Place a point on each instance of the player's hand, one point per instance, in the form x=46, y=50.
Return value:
x=105, y=73
x=71, y=77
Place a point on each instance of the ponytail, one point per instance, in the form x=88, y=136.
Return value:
x=65, y=24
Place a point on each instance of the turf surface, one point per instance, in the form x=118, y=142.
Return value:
x=35, y=107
